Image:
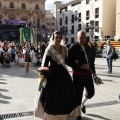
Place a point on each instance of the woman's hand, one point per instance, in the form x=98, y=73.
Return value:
x=85, y=66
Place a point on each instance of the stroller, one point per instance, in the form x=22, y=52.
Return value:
x=6, y=59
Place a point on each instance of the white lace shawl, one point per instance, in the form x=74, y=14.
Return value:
x=48, y=53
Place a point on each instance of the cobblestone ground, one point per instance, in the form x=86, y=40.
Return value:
x=18, y=90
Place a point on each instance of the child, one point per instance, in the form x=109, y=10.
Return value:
x=21, y=58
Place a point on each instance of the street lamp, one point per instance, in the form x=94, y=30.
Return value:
x=92, y=30
x=36, y=28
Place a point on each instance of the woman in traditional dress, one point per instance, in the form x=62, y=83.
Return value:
x=58, y=98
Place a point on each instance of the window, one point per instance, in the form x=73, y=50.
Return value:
x=87, y=15
x=96, y=38
x=96, y=23
x=72, y=41
x=66, y=29
x=96, y=26
x=87, y=27
x=72, y=30
x=37, y=7
x=72, y=16
x=60, y=21
x=11, y=5
x=92, y=22
x=61, y=30
x=66, y=20
x=60, y=10
x=87, y=39
x=96, y=12
x=79, y=18
x=79, y=27
x=23, y=6
x=87, y=1
x=63, y=9
x=66, y=39
x=107, y=37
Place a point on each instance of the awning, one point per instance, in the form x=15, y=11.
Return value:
x=16, y=22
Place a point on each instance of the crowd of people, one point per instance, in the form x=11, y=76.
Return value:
x=21, y=54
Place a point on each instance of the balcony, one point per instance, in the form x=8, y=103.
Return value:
x=72, y=31
x=87, y=17
x=37, y=8
x=97, y=15
x=66, y=22
x=72, y=20
x=79, y=19
x=87, y=29
x=23, y=6
x=97, y=29
x=78, y=29
x=60, y=23
x=11, y=6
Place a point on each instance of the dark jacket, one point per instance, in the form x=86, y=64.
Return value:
x=76, y=53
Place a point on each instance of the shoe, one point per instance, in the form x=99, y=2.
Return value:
x=83, y=109
x=108, y=73
x=79, y=118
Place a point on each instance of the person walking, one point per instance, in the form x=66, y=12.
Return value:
x=58, y=98
x=79, y=58
x=101, y=48
x=109, y=55
x=27, y=57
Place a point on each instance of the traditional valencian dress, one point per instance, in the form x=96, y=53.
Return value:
x=58, y=98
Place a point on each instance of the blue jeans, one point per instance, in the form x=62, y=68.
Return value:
x=109, y=63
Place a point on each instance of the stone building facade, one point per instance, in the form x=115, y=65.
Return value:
x=50, y=22
x=32, y=11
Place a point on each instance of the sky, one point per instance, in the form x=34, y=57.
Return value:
x=50, y=3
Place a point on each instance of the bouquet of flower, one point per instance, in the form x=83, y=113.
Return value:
x=43, y=73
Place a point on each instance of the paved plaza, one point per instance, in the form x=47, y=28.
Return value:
x=18, y=90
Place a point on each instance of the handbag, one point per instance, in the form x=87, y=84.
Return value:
x=115, y=56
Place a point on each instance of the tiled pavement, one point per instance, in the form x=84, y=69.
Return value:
x=18, y=90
